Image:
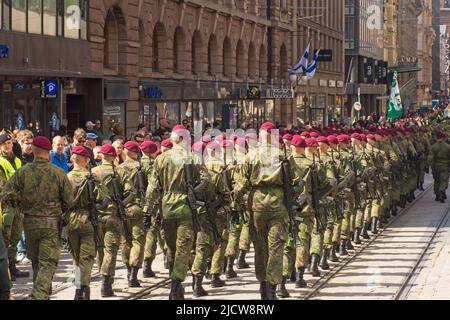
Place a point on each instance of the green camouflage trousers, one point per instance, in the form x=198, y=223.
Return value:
x=218, y=258
x=329, y=227
x=179, y=235
x=239, y=238
x=204, y=247
x=12, y=231
x=5, y=281
x=152, y=239
x=110, y=235
x=288, y=257
x=270, y=237
x=43, y=249
x=348, y=222
x=82, y=248
x=440, y=176
x=133, y=254
x=422, y=167
x=304, y=241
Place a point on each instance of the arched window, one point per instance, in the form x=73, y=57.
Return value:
x=283, y=63
x=262, y=62
x=159, y=46
x=111, y=44
x=141, y=46
x=196, y=53
x=240, y=60
x=178, y=48
x=227, y=58
x=212, y=56
x=252, y=62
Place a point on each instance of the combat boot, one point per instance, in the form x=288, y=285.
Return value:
x=271, y=291
x=16, y=273
x=387, y=213
x=198, y=290
x=333, y=256
x=293, y=277
x=413, y=196
x=382, y=220
x=442, y=197
x=241, y=263
x=364, y=232
x=282, y=291
x=230, y=273
x=4, y=295
x=402, y=203
x=315, y=258
x=148, y=272
x=356, y=236
x=349, y=245
x=128, y=272
x=216, y=282
x=86, y=292
x=263, y=290
x=78, y=294
x=323, y=260
x=394, y=208
x=175, y=290
x=408, y=197
x=300, y=282
x=106, y=289
x=342, y=248
x=374, y=225
x=133, y=282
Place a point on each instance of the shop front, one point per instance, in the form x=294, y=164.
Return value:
x=223, y=105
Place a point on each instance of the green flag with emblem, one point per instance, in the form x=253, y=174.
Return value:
x=394, y=105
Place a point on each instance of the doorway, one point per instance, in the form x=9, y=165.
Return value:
x=76, y=112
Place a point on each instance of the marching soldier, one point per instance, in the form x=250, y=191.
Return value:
x=82, y=221
x=439, y=162
x=42, y=192
x=179, y=181
x=5, y=281
x=12, y=218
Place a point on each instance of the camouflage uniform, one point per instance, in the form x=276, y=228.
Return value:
x=12, y=218
x=5, y=281
x=440, y=161
x=169, y=173
x=263, y=176
x=42, y=192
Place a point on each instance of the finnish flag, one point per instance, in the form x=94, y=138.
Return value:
x=302, y=65
x=312, y=67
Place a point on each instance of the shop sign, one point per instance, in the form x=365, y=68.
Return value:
x=20, y=121
x=4, y=51
x=112, y=111
x=332, y=83
x=253, y=92
x=280, y=93
x=340, y=84
x=153, y=93
x=325, y=55
x=49, y=89
x=323, y=83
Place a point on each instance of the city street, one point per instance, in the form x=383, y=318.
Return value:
x=377, y=270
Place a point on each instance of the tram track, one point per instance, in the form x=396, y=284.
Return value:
x=321, y=282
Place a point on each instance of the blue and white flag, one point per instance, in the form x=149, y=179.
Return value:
x=312, y=67
x=302, y=65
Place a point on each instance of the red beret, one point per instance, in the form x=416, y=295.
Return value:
x=42, y=143
x=81, y=151
x=132, y=146
x=370, y=137
x=178, y=127
x=322, y=139
x=240, y=141
x=379, y=132
x=343, y=138
x=206, y=139
x=287, y=136
x=267, y=126
x=441, y=135
x=314, y=134
x=198, y=147
x=221, y=137
x=305, y=134
x=298, y=142
x=311, y=142
x=234, y=137
x=251, y=136
x=356, y=136
x=108, y=150
x=149, y=147
x=213, y=145
x=332, y=140
x=227, y=143
x=363, y=137
x=372, y=129
x=167, y=144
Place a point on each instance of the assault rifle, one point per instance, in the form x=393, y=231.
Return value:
x=314, y=193
x=93, y=213
x=192, y=200
x=120, y=204
x=355, y=184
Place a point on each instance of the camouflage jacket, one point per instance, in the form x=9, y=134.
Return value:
x=42, y=191
x=128, y=177
x=103, y=175
x=440, y=155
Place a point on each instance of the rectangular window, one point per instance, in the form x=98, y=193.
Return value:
x=60, y=14
x=72, y=19
x=19, y=15
x=84, y=19
x=6, y=25
x=50, y=10
x=35, y=16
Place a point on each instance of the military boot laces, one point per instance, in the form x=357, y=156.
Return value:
x=342, y=248
x=79, y=294
x=281, y=290
x=374, y=225
x=148, y=272
x=216, y=282
x=133, y=282
x=300, y=283
x=315, y=265
x=230, y=273
x=241, y=263
x=175, y=290
x=323, y=260
x=356, y=236
x=106, y=289
x=198, y=290
x=333, y=257
x=16, y=273
x=364, y=232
